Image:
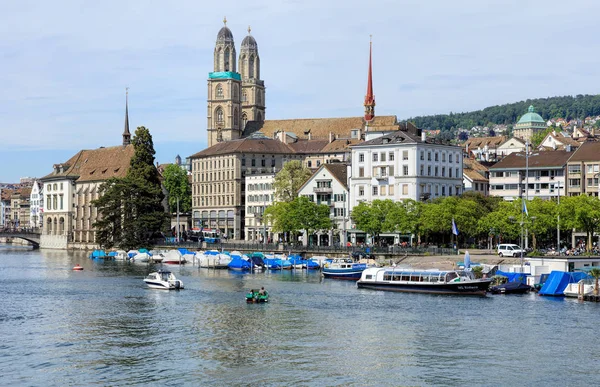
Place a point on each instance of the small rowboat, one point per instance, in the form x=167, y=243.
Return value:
x=77, y=267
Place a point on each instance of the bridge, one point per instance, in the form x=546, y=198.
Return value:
x=32, y=237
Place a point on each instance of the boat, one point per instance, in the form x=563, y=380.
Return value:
x=239, y=263
x=98, y=254
x=581, y=288
x=163, y=279
x=343, y=268
x=77, y=267
x=433, y=281
x=141, y=257
x=254, y=296
x=213, y=259
x=514, y=287
x=173, y=257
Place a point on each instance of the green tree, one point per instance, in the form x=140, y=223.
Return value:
x=582, y=213
x=373, y=217
x=130, y=209
x=278, y=215
x=595, y=272
x=177, y=184
x=289, y=180
x=298, y=215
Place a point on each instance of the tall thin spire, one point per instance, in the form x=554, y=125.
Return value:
x=370, y=98
x=126, y=134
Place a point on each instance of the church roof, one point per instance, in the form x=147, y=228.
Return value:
x=245, y=145
x=249, y=42
x=224, y=35
x=320, y=127
x=95, y=164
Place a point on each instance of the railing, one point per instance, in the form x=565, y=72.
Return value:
x=322, y=190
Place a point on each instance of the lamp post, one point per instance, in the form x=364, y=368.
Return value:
x=178, y=236
x=558, y=218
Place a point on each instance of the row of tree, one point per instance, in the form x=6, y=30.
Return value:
x=567, y=107
x=478, y=217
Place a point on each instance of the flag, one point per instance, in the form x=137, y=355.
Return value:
x=525, y=208
x=454, y=228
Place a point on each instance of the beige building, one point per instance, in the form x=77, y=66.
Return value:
x=529, y=124
x=68, y=192
x=19, y=204
x=583, y=170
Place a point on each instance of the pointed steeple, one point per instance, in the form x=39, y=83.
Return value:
x=126, y=134
x=370, y=98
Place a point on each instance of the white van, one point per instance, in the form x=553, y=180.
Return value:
x=509, y=250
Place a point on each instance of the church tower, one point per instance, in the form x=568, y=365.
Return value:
x=370, y=98
x=126, y=133
x=224, y=90
x=253, y=88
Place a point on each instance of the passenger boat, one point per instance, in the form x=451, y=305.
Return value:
x=343, y=268
x=433, y=281
x=163, y=279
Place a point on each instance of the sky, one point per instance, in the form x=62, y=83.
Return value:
x=64, y=65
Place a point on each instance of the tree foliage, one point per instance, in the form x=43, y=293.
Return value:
x=567, y=107
x=130, y=209
x=177, y=184
x=289, y=180
x=581, y=212
x=298, y=215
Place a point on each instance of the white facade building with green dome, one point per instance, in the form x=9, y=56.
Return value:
x=530, y=124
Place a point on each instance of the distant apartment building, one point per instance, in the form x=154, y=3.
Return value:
x=540, y=174
x=475, y=177
x=583, y=170
x=36, y=205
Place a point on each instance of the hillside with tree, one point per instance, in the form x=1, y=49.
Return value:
x=567, y=107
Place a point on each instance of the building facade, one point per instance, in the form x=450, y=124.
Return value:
x=404, y=165
x=329, y=186
x=36, y=206
x=260, y=194
x=529, y=124
x=583, y=170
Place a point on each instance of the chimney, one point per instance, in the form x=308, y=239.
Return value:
x=309, y=135
x=331, y=137
x=423, y=136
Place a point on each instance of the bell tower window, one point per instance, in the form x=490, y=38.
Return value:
x=226, y=59
x=219, y=116
x=244, y=96
x=219, y=91
x=251, y=67
x=244, y=120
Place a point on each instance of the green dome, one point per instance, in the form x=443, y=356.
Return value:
x=531, y=116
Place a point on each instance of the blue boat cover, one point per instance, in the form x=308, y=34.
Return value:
x=238, y=263
x=182, y=250
x=514, y=277
x=557, y=282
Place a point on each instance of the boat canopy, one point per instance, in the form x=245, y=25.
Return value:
x=513, y=277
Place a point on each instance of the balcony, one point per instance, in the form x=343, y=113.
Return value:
x=323, y=190
x=381, y=177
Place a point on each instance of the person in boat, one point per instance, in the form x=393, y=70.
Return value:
x=262, y=291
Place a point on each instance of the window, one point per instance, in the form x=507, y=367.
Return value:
x=272, y=162
x=422, y=155
x=574, y=169
x=429, y=170
x=219, y=116
x=391, y=190
x=375, y=157
x=244, y=96
x=449, y=172
x=429, y=156
x=391, y=156
x=436, y=157
x=243, y=162
x=383, y=157
x=405, y=155
x=422, y=172
x=309, y=163
x=443, y=171
x=253, y=162
x=375, y=190
x=383, y=190
x=361, y=191
x=318, y=163
x=450, y=157
x=456, y=174
x=263, y=163
x=457, y=162
x=219, y=91
x=361, y=157
x=361, y=172
x=404, y=189
x=444, y=190
x=405, y=170
x=443, y=157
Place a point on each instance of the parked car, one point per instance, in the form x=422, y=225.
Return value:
x=509, y=250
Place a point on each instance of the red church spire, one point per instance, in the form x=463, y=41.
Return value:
x=370, y=98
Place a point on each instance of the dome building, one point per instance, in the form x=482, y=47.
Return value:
x=530, y=124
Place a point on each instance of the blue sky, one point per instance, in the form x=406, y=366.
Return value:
x=64, y=65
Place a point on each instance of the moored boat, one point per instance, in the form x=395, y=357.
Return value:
x=343, y=268
x=432, y=281
x=514, y=287
x=579, y=289
x=163, y=279
x=213, y=259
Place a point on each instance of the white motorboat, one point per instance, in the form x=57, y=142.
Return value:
x=141, y=257
x=174, y=257
x=163, y=279
x=581, y=288
x=121, y=255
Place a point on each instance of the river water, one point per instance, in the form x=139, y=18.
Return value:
x=102, y=326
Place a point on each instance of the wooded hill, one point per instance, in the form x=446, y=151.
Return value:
x=567, y=107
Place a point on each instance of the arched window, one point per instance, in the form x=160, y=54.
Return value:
x=236, y=119
x=257, y=72
x=226, y=59
x=244, y=120
x=219, y=116
x=235, y=91
x=219, y=91
x=244, y=96
x=251, y=67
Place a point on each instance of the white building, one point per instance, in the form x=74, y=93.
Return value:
x=512, y=145
x=329, y=185
x=259, y=195
x=404, y=165
x=540, y=174
x=36, y=206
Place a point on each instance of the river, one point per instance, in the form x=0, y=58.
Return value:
x=102, y=326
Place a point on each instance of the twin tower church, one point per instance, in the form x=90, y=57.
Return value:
x=234, y=98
